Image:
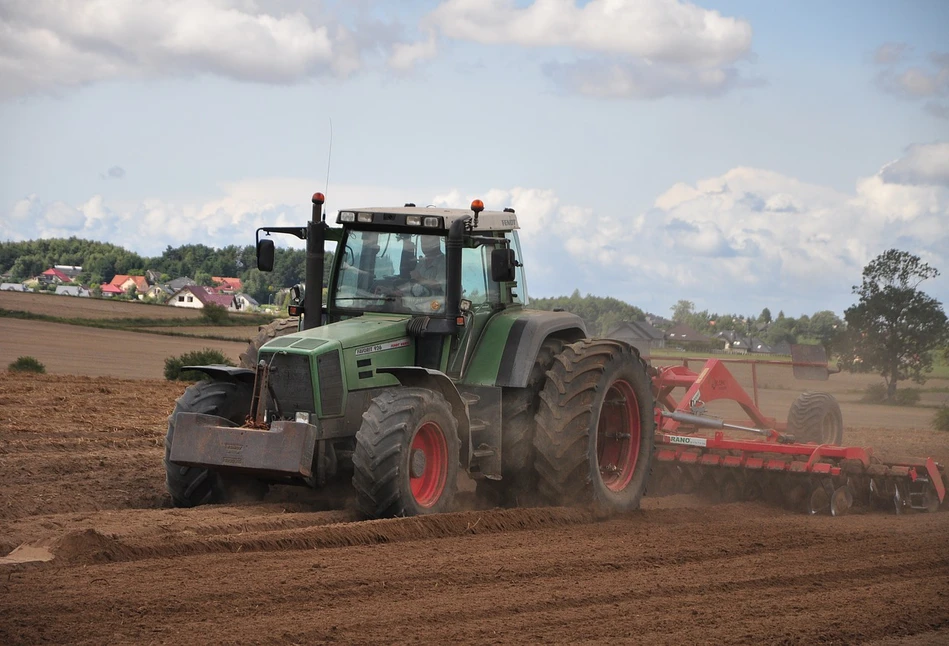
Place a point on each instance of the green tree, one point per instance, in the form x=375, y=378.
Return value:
x=203, y=278
x=825, y=326
x=28, y=266
x=600, y=313
x=765, y=316
x=682, y=311
x=894, y=327
x=781, y=330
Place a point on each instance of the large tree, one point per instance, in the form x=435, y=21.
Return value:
x=894, y=327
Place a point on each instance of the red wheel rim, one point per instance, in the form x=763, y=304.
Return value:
x=428, y=464
x=618, y=436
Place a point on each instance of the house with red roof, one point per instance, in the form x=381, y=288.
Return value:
x=227, y=285
x=126, y=282
x=109, y=290
x=53, y=275
x=198, y=296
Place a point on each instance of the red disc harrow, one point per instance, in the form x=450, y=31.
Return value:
x=799, y=468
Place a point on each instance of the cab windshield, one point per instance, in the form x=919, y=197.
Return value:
x=391, y=272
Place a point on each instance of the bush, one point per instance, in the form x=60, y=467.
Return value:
x=27, y=364
x=205, y=357
x=941, y=419
x=874, y=394
x=216, y=314
x=906, y=397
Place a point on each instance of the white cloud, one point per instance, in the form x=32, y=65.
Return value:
x=147, y=226
x=736, y=242
x=923, y=164
x=643, y=79
x=639, y=48
x=920, y=79
x=49, y=44
x=406, y=56
x=889, y=53
x=659, y=30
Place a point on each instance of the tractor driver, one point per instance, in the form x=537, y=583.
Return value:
x=430, y=270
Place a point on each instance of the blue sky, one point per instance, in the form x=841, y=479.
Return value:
x=740, y=155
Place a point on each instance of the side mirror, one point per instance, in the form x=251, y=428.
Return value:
x=265, y=251
x=296, y=294
x=502, y=265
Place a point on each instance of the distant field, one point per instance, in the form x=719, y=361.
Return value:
x=91, y=308
x=80, y=350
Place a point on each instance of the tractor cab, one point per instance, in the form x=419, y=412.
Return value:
x=447, y=271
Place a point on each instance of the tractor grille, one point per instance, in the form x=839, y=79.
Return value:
x=291, y=383
x=331, y=383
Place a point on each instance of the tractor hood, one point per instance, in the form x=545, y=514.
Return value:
x=331, y=361
x=366, y=330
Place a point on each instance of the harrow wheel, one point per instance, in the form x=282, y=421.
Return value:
x=406, y=458
x=841, y=501
x=815, y=417
x=818, y=502
x=594, y=434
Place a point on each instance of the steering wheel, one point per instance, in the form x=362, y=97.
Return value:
x=420, y=289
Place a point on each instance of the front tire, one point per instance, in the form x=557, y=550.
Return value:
x=816, y=417
x=406, y=458
x=595, y=428
x=193, y=486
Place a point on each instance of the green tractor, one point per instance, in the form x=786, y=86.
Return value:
x=424, y=361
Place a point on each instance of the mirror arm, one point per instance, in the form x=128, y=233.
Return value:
x=299, y=232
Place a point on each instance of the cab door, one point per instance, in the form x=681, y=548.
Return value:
x=483, y=294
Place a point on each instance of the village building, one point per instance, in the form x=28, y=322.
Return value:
x=198, y=297
x=639, y=334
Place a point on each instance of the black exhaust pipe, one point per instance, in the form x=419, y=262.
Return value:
x=315, y=258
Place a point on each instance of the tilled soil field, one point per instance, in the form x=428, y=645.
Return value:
x=80, y=350
x=95, y=555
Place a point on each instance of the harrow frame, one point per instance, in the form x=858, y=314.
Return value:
x=819, y=477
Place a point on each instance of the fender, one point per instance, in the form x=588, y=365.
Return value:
x=415, y=377
x=527, y=334
x=225, y=373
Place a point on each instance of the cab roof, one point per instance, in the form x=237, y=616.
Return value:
x=399, y=216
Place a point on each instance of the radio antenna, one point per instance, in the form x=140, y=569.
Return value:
x=329, y=158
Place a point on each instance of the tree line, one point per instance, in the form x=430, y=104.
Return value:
x=101, y=261
x=894, y=329
x=822, y=327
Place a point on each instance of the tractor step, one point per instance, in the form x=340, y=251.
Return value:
x=484, y=431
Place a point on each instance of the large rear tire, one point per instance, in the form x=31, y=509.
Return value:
x=518, y=408
x=268, y=332
x=406, y=458
x=595, y=428
x=193, y=486
x=816, y=417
